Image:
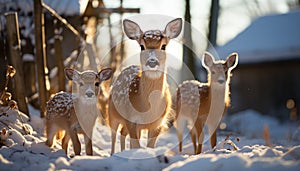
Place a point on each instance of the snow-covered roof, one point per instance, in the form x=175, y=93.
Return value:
x=68, y=7
x=65, y=7
x=269, y=38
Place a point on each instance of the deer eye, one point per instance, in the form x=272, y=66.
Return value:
x=142, y=47
x=213, y=72
x=163, y=47
x=81, y=84
x=97, y=84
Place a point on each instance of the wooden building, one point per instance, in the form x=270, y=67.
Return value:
x=267, y=78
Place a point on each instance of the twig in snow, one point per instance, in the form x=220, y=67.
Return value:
x=226, y=141
x=10, y=72
x=267, y=135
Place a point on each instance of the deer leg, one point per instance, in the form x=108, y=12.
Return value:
x=179, y=136
x=179, y=125
x=113, y=141
x=200, y=135
x=51, y=132
x=213, y=139
x=88, y=145
x=152, y=136
x=193, y=135
x=124, y=133
x=65, y=142
x=113, y=127
x=75, y=141
x=134, y=136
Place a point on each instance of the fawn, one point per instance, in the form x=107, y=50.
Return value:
x=140, y=96
x=199, y=103
x=61, y=108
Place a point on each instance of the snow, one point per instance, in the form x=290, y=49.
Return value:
x=237, y=161
x=25, y=8
x=28, y=57
x=66, y=7
x=244, y=149
x=250, y=124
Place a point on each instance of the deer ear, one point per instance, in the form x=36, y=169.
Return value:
x=132, y=29
x=173, y=28
x=232, y=60
x=105, y=74
x=71, y=74
x=207, y=60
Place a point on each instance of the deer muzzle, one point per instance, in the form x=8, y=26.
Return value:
x=221, y=79
x=89, y=94
x=152, y=63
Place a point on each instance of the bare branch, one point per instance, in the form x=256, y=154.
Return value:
x=64, y=21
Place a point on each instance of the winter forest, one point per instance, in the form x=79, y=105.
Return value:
x=150, y=85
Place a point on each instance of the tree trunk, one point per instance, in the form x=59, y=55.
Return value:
x=213, y=22
x=188, y=57
x=3, y=60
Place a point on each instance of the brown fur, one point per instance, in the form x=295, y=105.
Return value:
x=139, y=100
x=70, y=125
x=213, y=96
x=146, y=102
x=61, y=114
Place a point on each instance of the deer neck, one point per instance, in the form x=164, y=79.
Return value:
x=217, y=105
x=87, y=102
x=86, y=113
x=217, y=94
x=151, y=91
x=147, y=84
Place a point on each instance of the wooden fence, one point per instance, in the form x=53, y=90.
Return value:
x=24, y=84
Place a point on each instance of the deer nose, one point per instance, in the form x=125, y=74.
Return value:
x=221, y=79
x=152, y=63
x=89, y=94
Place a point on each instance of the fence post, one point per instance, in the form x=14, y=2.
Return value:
x=16, y=60
x=58, y=57
x=3, y=60
x=91, y=55
x=40, y=54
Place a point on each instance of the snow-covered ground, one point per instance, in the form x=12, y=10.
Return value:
x=245, y=149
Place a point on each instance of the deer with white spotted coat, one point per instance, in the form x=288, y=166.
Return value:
x=199, y=103
x=140, y=96
x=61, y=114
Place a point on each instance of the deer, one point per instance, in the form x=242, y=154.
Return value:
x=61, y=111
x=198, y=103
x=140, y=97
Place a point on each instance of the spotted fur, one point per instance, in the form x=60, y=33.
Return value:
x=61, y=109
x=140, y=96
x=60, y=105
x=199, y=103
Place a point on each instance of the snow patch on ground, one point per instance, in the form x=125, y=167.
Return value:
x=250, y=124
x=25, y=149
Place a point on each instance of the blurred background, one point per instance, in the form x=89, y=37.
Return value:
x=265, y=33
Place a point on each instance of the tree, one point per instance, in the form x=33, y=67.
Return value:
x=213, y=22
x=188, y=57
